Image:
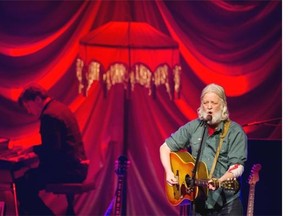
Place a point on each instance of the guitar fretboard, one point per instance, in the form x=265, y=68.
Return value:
x=119, y=192
x=120, y=195
x=201, y=182
x=250, y=206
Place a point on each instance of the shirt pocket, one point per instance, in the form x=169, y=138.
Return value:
x=195, y=144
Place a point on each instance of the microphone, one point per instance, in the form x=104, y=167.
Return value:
x=205, y=120
x=208, y=118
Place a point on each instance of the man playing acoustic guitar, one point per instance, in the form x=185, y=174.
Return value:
x=223, y=153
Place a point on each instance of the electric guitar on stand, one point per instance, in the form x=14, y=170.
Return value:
x=120, y=197
x=253, y=179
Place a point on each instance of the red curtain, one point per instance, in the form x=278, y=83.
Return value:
x=237, y=44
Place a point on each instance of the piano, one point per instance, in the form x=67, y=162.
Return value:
x=14, y=163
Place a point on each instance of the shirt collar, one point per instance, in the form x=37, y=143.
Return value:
x=219, y=128
x=46, y=105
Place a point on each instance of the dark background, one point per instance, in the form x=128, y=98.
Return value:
x=268, y=191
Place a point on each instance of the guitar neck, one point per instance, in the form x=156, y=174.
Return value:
x=120, y=208
x=120, y=196
x=250, y=206
x=201, y=182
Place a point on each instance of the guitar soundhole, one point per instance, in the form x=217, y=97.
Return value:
x=188, y=181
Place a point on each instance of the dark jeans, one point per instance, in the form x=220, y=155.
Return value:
x=35, y=180
x=234, y=208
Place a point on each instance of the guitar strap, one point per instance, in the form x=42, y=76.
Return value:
x=222, y=136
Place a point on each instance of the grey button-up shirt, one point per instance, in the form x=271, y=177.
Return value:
x=233, y=151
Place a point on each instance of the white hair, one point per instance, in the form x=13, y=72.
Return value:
x=218, y=90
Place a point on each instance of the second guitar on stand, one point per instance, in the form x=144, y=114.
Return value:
x=120, y=196
x=253, y=179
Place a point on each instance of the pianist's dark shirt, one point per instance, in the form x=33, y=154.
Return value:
x=62, y=149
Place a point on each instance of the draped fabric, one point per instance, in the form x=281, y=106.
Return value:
x=237, y=44
x=139, y=54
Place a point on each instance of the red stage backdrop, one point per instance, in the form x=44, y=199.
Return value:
x=237, y=44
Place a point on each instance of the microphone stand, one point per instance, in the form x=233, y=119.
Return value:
x=193, y=178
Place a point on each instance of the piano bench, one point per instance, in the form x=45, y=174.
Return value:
x=70, y=189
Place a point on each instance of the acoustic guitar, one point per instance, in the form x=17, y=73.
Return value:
x=182, y=164
x=253, y=179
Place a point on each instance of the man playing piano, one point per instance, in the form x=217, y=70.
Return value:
x=61, y=154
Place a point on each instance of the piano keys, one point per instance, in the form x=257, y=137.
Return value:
x=13, y=164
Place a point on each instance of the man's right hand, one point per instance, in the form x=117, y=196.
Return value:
x=171, y=178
